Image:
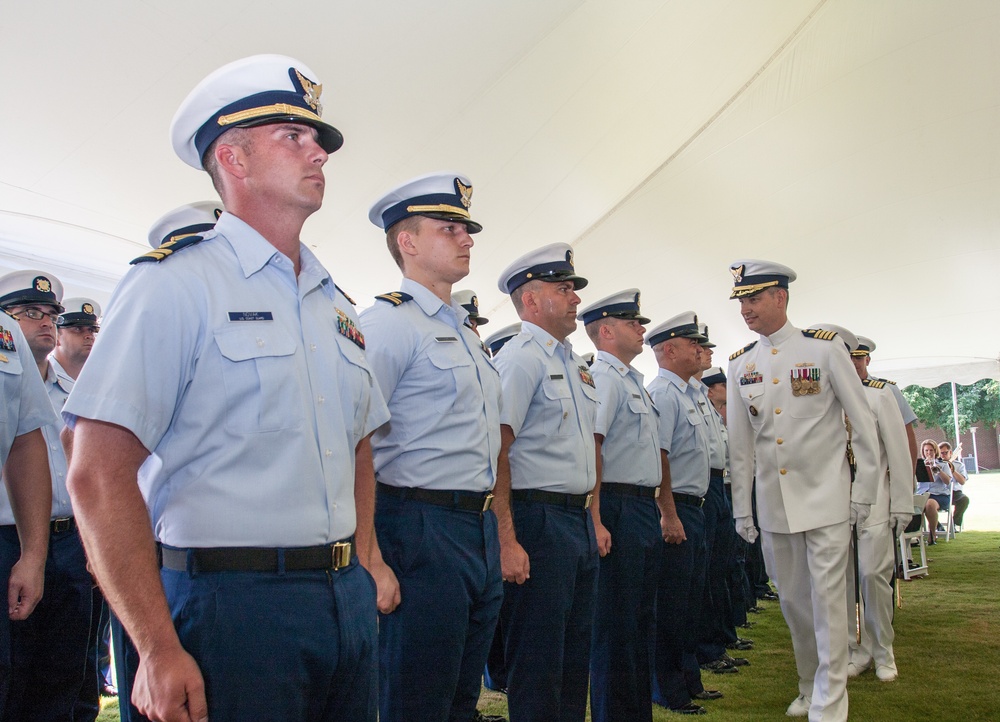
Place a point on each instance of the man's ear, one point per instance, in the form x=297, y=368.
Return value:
x=231, y=159
x=406, y=243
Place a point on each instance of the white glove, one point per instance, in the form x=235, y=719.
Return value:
x=860, y=512
x=746, y=529
x=898, y=521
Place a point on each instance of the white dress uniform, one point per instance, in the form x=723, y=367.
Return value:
x=876, y=536
x=786, y=396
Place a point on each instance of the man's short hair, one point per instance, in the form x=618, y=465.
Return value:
x=239, y=137
x=593, y=328
x=944, y=445
x=410, y=224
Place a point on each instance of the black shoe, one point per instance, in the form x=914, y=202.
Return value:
x=740, y=644
x=734, y=661
x=756, y=609
x=768, y=596
x=689, y=708
x=940, y=527
x=718, y=666
x=480, y=717
x=708, y=694
x=746, y=625
x=109, y=690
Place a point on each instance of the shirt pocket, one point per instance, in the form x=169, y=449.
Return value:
x=259, y=377
x=357, y=383
x=753, y=400
x=454, y=380
x=10, y=383
x=559, y=412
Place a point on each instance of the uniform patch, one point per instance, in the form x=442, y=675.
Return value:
x=743, y=350
x=805, y=382
x=349, y=330
x=587, y=377
x=750, y=375
x=396, y=298
x=251, y=316
x=6, y=340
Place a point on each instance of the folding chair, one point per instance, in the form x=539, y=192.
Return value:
x=909, y=539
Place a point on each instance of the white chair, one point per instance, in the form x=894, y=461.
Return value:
x=908, y=540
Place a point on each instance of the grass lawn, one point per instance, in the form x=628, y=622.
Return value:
x=947, y=651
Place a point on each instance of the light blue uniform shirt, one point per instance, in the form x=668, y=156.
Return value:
x=682, y=432
x=443, y=394
x=960, y=468
x=939, y=483
x=717, y=451
x=549, y=403
x=58, y=384
x=904, y=406
x=247, y=384
x=26, y=406
x=627, y=419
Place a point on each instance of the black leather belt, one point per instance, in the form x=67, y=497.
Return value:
x=62, y=524
x=650, y=492
x=717, y=472
x=253, y=559
x=577, y=501
x=689, y=499
x=479, y=501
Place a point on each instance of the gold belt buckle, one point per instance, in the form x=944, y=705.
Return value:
x=656, y=494
x=590, y=498
x=341, y=552
x=487, y=503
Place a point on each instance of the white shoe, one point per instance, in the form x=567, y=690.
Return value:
x=886, y=672
x=799, y=707
x=855, y=669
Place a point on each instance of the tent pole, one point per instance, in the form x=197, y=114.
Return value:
x=954, y=411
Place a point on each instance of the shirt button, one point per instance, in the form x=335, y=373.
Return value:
x=312, y=347
x=777, y=411
x=260, y=342
x=780, y=440
x=774, y=381
x=783, y=472
x=328, y=452
x=565, y=415
x=321, y=399
x=774, y=351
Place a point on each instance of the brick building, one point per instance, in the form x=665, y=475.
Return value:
x=987, y=443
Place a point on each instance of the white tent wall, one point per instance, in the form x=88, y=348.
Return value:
x=855, y=141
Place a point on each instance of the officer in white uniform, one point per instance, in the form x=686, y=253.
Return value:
x=891, y=512
x=23, y=540
x=549, y=553
x=49, y=649
x=231, y=380
x=436, y=460
x=862, y=356
x=627, y=437
x=786, y=398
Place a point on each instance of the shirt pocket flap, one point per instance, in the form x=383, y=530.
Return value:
x=242, y=344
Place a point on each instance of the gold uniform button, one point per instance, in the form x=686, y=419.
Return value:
x=774, y=351
x=781, y=441
x=774, y=381
x=777, y=411
x=784, y=471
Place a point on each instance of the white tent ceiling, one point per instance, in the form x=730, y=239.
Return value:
x=855, y=141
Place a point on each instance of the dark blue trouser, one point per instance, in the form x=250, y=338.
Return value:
x=10, y=552
x=715, y=628
x=679, y=595
x=49, y=649
x=97, y=671
x=549, y=619
x=126, y=664
x=620, y=677
x=291, y=646
x=433, y=647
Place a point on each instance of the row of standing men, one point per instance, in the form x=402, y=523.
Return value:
x=299, y=468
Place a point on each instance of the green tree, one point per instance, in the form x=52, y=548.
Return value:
x=978, y=403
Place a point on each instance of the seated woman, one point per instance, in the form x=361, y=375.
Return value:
x=958, y=478
x=933, y=475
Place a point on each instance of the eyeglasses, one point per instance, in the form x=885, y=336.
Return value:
x=35, y=315
x=81, y=330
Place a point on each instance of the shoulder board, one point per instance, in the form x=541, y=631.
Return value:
x=743, y=350
x=344, y=294
x=9, y=314
x=886, y=381
x=874, y=383
x=168, y=249
x=396, y=298
x=821, y=335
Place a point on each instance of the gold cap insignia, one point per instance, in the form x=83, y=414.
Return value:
x=312, y=92
x=737, y=272
x=465, y=191
x=88, y=309
x=637, y=299
x=43, y=285
x=475, y=302
x=569, y=257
